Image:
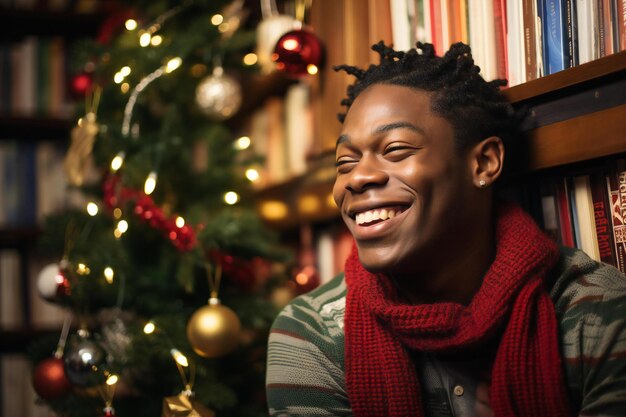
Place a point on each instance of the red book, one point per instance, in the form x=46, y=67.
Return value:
x=436, y=25
x=564, y=213
x=499, y=17
x=616, y=185
x=602, y=212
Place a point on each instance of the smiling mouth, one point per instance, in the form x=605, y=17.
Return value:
x=379, y=215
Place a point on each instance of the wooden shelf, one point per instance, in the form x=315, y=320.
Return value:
x=554, y=83
x=18, y=237
x=34, y=128
x=16, y=341
x=17, y=24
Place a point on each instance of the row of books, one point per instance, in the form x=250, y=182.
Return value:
x=519, y=40
x=33, y=78
x=281, y=133
x=33, y=183
x=588, y=211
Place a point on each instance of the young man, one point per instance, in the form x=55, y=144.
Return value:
x=453, y=303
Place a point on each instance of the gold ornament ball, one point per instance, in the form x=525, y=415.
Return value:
x=213, y=330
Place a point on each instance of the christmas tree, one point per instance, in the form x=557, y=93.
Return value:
x=166, y=271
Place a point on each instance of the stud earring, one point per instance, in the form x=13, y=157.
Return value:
x=482, y=183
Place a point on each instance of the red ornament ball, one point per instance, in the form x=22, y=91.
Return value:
x=298, y=53
x=49, y=379
x=80, y=84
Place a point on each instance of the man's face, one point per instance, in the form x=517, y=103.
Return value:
x=402, y=187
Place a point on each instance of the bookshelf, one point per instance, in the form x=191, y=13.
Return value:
x=576, y=115
x=31, y=129
x=576, y=118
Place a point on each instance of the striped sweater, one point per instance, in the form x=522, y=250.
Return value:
x=305, y=363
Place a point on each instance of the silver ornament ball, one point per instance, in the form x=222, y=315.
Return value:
x=218, y=95
x=84, y=361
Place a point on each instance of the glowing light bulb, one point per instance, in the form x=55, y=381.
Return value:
x=144, y=39
x=149, y=328
x=156, y=40
x=179, y=357
x=122, y=226
x=124, y=88
x=118, y=78
x=117, y=161
x=250, y=59
x=217, y=19
x=252, y=174
x=243, y=143
x=180, y=222
x=231, y=197
x=150, y=184
x=173, y=64
x=112, y=379
x=130, y=24
x=312, y=69
x=108, y=274
x=92, y=208
x=82, y=269
x=125, y=71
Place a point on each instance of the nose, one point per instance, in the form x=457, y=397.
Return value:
x=365, y=175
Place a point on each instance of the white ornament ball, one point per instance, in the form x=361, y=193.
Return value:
x=47, y=282
x=218, y=95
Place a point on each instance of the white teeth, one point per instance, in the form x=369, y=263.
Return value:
x=371, y=215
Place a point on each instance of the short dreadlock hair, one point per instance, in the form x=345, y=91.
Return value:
x=475, y=108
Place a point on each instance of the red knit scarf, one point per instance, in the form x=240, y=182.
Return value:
x=527, y=378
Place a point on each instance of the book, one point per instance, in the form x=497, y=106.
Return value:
x=566, y=231
x=482, y=37
x=298, y=128
x=515, y=43
x=556, y=44
x=587, y=25
x=529, y=22
x=400, y=25
x=11, y=312
x=572, y=31
x=585, y=216
x=616, y=182
x=602, y=217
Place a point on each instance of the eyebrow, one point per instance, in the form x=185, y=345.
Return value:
x=385, y=128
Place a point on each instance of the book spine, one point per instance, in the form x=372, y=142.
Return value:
x=616, y=185
x=572, y=31
x=555, y=37
x=565, y=214
x=530, y=50
x=602, y=217
x=622, y=24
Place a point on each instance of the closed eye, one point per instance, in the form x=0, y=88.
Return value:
x=399, y=152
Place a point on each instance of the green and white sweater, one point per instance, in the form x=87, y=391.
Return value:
x=305, y=363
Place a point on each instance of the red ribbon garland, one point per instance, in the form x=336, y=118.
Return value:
x=116, y=195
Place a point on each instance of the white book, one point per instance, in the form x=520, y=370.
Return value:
x=325, y=257
x=585, y=217
x=400, y=25
x=515, y=42
x=298, y=127
x=587, y=26
x=428, y=23
x=483, y=37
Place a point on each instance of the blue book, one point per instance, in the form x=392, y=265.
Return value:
x=555, y=36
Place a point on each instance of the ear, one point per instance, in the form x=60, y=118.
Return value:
x=486, y=161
